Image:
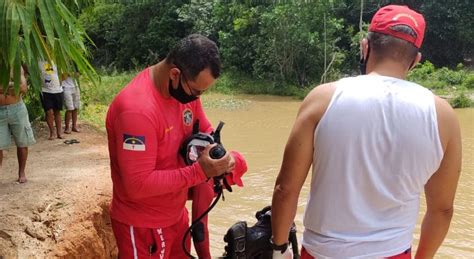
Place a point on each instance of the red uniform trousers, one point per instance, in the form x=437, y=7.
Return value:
x=202, y=196
x=163, y=243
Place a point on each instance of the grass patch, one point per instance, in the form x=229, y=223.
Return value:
x=238, y=83
x=95, y=114
x=108, y=87
x=461, y=101
x=96, y=98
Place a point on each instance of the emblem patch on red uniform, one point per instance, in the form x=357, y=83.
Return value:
x=187, y=117
x=133, y=143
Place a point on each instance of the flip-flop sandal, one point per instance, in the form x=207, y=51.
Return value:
x=75, y=141
x=71, y=141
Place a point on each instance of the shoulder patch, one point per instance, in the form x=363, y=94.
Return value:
x=133, y=143
x=187, y=117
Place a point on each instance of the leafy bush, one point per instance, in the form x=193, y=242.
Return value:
x=235, y=82
x=461, y=101
x=127, y=36
x=469, y=81
x=96, y=98
x=422, y=72
x=453, y=78
x=105, y=91
x=430, y=77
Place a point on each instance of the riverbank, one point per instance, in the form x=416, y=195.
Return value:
x=62, y=211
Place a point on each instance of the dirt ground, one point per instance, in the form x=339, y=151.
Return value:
x=62, y=211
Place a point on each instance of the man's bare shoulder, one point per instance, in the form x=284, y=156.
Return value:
x=322, y=91
x=444, y=111
x=448, y=122
x=317, y=101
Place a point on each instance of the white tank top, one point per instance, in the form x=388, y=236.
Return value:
x=375, y=148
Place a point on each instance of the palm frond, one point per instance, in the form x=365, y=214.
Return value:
x=35, y=30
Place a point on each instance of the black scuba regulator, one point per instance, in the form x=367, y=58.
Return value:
x=218, y=151
x=194, y=144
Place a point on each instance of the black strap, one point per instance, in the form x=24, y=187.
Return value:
x=196, y=127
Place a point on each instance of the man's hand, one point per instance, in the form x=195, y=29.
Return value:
x=215, y=167
x=287, y=254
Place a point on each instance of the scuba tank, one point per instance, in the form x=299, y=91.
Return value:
x=243, y=242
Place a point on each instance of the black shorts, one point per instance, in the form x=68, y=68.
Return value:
x=52, y=101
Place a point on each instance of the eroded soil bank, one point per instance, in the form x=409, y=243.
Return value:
x=62, y=211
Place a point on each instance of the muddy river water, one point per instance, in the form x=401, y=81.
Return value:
x=258, y=127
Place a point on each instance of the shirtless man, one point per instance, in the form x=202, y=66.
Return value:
x=14, y=122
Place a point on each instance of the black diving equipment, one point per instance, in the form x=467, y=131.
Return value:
x=217, y=151
x=190, y=150
x=254, y=242
x=363, y=61
x=193, y=145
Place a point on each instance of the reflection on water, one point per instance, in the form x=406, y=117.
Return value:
x=258, y=127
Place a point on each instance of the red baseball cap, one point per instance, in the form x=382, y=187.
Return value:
x=392, y=15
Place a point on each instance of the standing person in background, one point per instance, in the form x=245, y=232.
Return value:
x=72, y=102
x=146, y=124
x=51, y=97
x=375, y=142
x=14, y=121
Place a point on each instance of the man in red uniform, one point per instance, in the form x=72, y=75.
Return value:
x=146, y=124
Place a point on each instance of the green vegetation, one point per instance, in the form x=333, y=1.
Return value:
x=272, y=47
x=461, y=101
x=267, y=47
x=297, y=43
x=31, y=31
x=238, y=83
x=427, y=75
x=455, y=85
x=96, y=98
x=106, y=90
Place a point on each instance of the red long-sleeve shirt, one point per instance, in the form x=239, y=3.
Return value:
x=145, y=130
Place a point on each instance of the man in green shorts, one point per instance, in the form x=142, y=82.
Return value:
x=14, y=122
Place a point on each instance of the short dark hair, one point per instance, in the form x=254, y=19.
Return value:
x=193, y=54
x=388, y=47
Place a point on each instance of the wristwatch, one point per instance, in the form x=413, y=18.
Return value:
x=281, y=248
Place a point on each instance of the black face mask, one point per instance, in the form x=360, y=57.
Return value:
x=179, y=94
x=412, y=65
x=363, y=63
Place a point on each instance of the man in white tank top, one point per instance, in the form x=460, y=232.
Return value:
x=375, y=142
